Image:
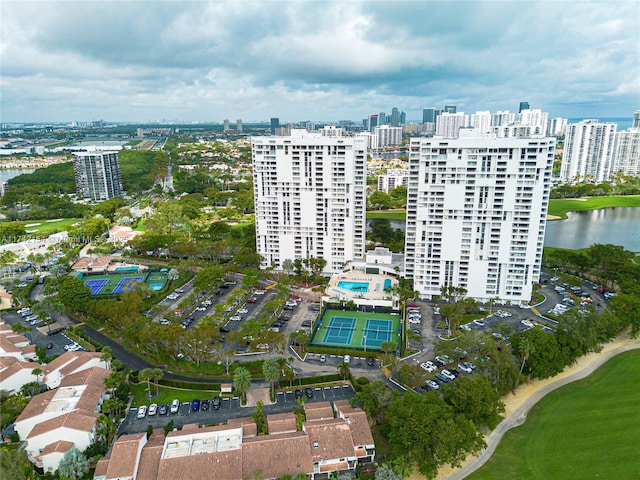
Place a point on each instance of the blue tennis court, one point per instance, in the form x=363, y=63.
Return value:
x=340, y=330
x=128, y=282
x=376, y=332
x=96, y=285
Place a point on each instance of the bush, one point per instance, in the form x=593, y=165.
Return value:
x=362, y=381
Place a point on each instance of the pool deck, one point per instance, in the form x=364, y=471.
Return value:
x=375, y=281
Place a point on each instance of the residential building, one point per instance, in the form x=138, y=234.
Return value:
x=332, y=440
x=67, y=364
x=97, y=175
x=388, y=135
x=502, y=117
x=411, y=128
x=481, y=121
x=331, y=131
x=430, y=114
x=536, y=119
x=15, y=345
x=92, y=264
x=449, y=109
x=310, y=198
x=627, y=158
x=239, y=125
x=396, y=117
x=476, y=213
x=557, y=127
x=59, y=419
x=589, y=149
x=449, y=124
x=636, y=119
x=14, y=374
x=394, y=177
x=370, y=139
x=121, y=234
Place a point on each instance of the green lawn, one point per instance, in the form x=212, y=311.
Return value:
x=588, y=429
x=47, y=227
x=167, y=394
x=560, y=208
x=388, y=214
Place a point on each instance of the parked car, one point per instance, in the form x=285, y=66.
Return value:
x=252, y=300
x=204, y=406
x=142, y=411
x=308, y=392
x=479, y=322
x=195, y=405
x=448, y=374
x=464, y=368
x=432, y=385
x=347, y=359
x=215, y=403
x=323, y=358
x=163, y=409
x=527, y=323
x=429, y=366
x=236, y=318
x=443, y=360
x=153, y=409
x=243, y=310
x=371, y=361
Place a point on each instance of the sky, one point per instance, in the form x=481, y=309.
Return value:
x=200, y=61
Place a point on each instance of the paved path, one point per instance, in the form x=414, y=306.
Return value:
x=517, y=417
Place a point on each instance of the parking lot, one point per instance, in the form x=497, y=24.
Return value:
x=230, y=408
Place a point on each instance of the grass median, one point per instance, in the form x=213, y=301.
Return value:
x=587, y=429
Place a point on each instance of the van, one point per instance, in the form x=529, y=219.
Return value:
x=175, y=405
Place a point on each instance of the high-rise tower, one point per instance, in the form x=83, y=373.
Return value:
x=97, y=175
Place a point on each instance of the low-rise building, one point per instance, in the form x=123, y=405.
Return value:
x=332, y=440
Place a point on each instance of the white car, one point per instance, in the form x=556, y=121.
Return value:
x=201, y=309
x=347, y=359
x=527, y=323
x=436, y=311
x=415, y=320
x=175, y=405
x=465, y=327
x=142, y=411
x=448, y=374
x=153, y=409
x=236, y=318
x=479, y=322
x=464, y=368
x=70, y=346
x=433, y=385
x=429, y=366
x=243, y=310
x=259, y=292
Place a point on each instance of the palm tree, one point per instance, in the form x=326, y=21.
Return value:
x=37, y=372
x=271, y=371
x=156, y=376
x=146, y=375
x=526, y=349
x=106, y=428
x=343, y=369
x=242, y=382
x=106, y=355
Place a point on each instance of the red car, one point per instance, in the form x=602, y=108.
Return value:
x=294, y=296
x=251, y=300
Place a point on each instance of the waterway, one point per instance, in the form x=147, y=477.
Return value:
x=9, y=173
x=618, y=226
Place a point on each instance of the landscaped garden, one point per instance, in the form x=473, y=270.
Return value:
x=588, y=429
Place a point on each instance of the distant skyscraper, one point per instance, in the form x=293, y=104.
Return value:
x=373, y=122
x=383, y=119
x=589, y=149
x=226, y=125
x=523, y=106
x=395, y=117
x=239, y=126
x=636, y=119
x=310, y=197
x=275, y=125
x=502, y=117
x=449, y=124
x=97, y=175
x=388, y=135
x=476, y=211
x=429, y=115
x=450, y=109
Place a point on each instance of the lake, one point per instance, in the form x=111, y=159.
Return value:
x=9, y=173
x=618, y=226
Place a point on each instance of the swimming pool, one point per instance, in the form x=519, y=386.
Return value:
x=354, y=286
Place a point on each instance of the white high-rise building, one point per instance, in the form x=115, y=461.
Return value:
x=627, y=158
x=589, y=148
x=331, y=131
x=481, y=121
x=370, y=138
x=97, y=174
x=476, y=214
x=536, y=119
x=395, y=177
x=448, y=125
x=557, y=126
x=502, y=117
x=388, y=135
x=310, y=198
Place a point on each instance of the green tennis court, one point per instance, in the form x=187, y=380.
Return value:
x=356, y=330
x=116, y=283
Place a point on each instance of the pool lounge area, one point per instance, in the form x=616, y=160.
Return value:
x=362, y=288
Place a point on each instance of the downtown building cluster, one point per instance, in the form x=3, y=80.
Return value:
x=476, y=207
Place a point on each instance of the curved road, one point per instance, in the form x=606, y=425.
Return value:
x=520, y=414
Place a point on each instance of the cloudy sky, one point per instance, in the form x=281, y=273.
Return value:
x=314, y=60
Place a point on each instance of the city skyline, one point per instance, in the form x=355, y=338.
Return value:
x=198, y=61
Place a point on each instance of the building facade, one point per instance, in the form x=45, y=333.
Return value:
x=388, y=135
x=476, y=213
x=627, y=159
x=97, y=175
x=448, y=124
x=589, y=149
x=396, y=177
x=310, y=198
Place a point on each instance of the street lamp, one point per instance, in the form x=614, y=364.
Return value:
x=365, y=344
